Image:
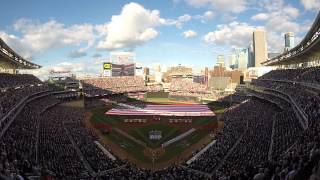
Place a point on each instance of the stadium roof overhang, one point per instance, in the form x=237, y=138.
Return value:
x=10, y=59
x=307, y=50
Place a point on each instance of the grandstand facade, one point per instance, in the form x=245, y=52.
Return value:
x=10, y=61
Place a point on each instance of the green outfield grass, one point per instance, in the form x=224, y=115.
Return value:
x=177, y=148
x=159, y=100
x=129, y=146
x=142, y=133
x=203, y=120
x=98, y=116
x=217, y=107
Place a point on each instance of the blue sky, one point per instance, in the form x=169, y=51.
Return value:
x=79, y=34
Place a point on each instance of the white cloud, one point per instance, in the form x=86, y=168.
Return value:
x=92, y=66
x=282, y=24
x=37, y=38
x=45, y=71
x=279, y=18
x=96, y=55
x=313, y=5
x=77, y=54
x=291, y=11
x=18, y=45
x=235, y=34
x=177, y=22
x=234, y=6
x=102, y=29
x=206, y=16
x=282, y=19
x=189, y=34
x=238, y=34
x=260, y=17
x=275, y=41
x=270, y=5
x=184, y=18
x=134, y=26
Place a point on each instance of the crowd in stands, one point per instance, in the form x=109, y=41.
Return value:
x=18, y=145
x=186, y=87
x=85, y=139
x=233, y=98
x=190, y=94
x=121, y=84
x=125, y=84
x=259, y=140
x=11, y=97
x=293, y=153
x=273, y=145
x=171, y=173
x=272, y=97
x=310, y=75
x=286, y=131
x=116, y=84
x=308, y=100
x=14, y=80
x=237, y=122
x=16, y=87
x=39, y=142
x=252, y=149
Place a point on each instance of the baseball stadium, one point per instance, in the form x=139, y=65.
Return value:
x=122, y=115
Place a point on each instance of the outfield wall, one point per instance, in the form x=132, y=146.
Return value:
x=160, y=94
x=184, y=98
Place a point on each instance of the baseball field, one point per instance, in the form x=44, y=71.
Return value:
x=130, y=140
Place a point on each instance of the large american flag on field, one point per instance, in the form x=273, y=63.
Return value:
x=165, y=110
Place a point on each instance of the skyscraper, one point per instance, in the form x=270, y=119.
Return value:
x=251, y=56
x=206, y=76
x=242, y=58
x=259, y=47
x=146, y=71
x=157, y=68
x=232, y=61
x=220, y=60
x=288, y=41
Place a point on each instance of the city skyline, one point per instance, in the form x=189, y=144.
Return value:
x=169, y=33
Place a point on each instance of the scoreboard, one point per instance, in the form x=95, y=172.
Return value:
x=107, y=66
x=111, y=69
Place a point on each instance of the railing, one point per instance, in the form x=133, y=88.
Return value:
x=17, y=108
x=300, y=114
x=196, y=156
x=305, y=84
